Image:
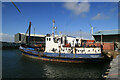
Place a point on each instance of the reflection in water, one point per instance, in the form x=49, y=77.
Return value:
x=69, y=70
x=17, y=66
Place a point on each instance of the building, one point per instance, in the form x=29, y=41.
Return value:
x=21, y=37
x=108, y=36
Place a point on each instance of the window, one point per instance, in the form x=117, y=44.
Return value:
x=77, y=40
x=61, y=40
x=19, y=37
x=88, y=50
x=49, y=39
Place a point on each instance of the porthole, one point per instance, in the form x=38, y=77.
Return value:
x=95, y=50
x=88, y=50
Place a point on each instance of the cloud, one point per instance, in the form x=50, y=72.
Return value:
x=99, y=16
x=6, y=37
x=77, y=8
x=112, y=10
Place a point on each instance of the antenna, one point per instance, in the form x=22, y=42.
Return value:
x=53, y=27
x=60, y=33
x=92, y=30
x=55, y=30
x=80, y=34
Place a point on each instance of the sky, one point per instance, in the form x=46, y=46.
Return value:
x=70, y=17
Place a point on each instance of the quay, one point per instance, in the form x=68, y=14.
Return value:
x=114, y=67
x=9, y=45
x=114, y=70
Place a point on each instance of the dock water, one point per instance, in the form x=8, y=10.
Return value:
x=15, y=65
x=112, y=73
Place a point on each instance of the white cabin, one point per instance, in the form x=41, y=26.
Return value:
x=57, y=44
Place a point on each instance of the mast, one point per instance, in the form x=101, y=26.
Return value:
x=55, y=30
x=29, y=33
x=92, y=31
x=34, y=35
x=53, y=27
x=28, y=30
x=101, y=38
x=80, y=34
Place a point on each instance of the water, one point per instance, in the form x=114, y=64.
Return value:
x=16, y=65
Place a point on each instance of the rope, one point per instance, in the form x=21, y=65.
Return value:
x=15, y=6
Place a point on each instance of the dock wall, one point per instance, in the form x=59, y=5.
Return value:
x=114, y=71
x=9, y=45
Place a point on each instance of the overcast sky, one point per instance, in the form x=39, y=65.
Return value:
x=69, y=16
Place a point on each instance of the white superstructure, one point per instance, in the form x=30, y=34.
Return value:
x=58, y=45
x=67, y=44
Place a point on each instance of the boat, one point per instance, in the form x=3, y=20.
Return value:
x=63, y=48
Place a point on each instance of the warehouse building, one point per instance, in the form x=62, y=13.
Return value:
x=108, y=36
x=21, y=37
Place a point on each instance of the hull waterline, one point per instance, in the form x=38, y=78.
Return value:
x=62, y=59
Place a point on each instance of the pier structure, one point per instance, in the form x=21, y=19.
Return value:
x=9, y=45
x=113, y=73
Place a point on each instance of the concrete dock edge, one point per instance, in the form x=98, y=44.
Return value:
x=114, y=71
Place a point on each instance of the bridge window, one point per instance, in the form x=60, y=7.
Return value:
x=88, y=50
x=49, y=39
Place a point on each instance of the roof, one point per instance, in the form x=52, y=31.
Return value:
x=37, y=35
x=107, y=32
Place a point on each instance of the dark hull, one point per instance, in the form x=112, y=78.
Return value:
x=63, y=59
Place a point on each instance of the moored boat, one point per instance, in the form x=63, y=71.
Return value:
x=63, y=48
